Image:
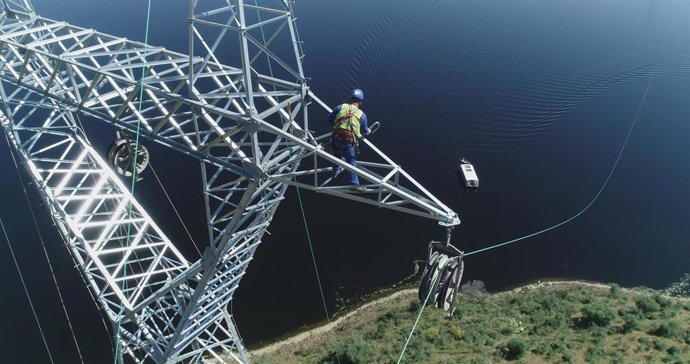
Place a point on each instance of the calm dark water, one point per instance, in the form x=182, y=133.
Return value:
x=539, y=95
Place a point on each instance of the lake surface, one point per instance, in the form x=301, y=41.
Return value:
x=539, y=95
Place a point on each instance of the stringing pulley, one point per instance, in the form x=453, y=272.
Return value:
x=442, y=275
x=121, y=156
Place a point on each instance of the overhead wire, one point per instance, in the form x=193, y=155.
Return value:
x=603, y=186
x=175, y=209
x=45, y=252
x=26, y=291
x=594, y=199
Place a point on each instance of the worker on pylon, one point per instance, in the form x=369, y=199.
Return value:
x=349, y=125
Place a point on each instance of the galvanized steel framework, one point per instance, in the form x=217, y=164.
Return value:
x=247, y=124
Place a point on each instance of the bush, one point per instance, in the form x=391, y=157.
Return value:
x=415, y=305
x=456, y=331
x=353, y=351
x=645, y=343
x=664, y=302
x=474, y=288
x=647, y=305
x=659, y=345
x=513, y=349
x=394, y=316
x=595, y=354
x=630, y=323
x=673, y=351
x=506, y=330
x=431, y=333
x=595, y=315
x=680, y=288
x=615, y=291
x=668, y=329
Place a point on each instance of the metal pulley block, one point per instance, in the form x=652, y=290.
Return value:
x=121, y=155
x=441, y=276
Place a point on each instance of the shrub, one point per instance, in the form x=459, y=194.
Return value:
x=506, y=330
x=595, y=315
x=529, y=307
x=474, y=288
x=415, y=305
x=354, y=350
x=595, y=354
x=662, y=301
x=456, y=331
x=668, y=329
x=645, y=343
x=673, y=351
x=549, y=348
x=431, y=333
x=659, y=345
x=630, y=323
x=513, y=349
x=395, y=316
x=680, y=288
x=615, y=291
x=647, y=305
x=378, y=333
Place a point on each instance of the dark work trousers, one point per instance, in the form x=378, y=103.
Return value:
x=347, y=152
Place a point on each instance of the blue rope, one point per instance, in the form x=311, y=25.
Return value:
x=134, y=176
x=313, y=257
x=299, y=196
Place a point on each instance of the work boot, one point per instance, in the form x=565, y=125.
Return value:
x=358, y=188
x=336, y=172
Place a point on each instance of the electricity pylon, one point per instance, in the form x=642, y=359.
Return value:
x=247, y=124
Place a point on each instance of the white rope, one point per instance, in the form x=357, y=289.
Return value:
x=175, y=209
x=45, y=253
x=26, y=291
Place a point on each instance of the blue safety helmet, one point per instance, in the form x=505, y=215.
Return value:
x=357, y=94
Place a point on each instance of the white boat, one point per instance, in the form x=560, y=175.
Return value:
x=469, y=174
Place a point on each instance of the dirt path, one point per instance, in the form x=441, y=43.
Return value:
x=319, y=332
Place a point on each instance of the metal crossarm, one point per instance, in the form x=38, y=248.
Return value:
x=243, y=114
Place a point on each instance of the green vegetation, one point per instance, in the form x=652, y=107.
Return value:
x=680, y=288
x=568, y=322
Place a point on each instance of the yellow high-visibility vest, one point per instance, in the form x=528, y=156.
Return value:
x=349, y=118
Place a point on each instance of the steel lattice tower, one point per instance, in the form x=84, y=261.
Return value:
x=247, y=124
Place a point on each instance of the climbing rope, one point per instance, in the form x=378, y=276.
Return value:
x=299, y=196
x=45, y=252
x=313, y=257
x=118, y=353
x=26, y=291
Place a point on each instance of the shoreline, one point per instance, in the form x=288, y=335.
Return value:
x=319, y=332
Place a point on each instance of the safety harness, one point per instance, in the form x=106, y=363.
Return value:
x=346, y=135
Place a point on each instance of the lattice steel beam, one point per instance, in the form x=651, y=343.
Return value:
x=248, y=125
